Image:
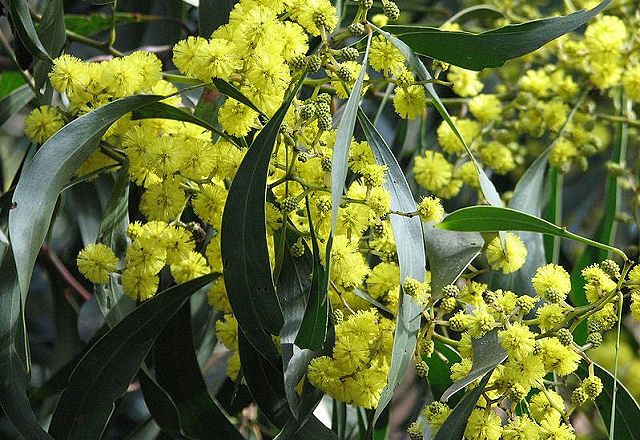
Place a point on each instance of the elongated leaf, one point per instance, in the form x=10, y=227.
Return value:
x=161, y=407
x=313, y=328
x=14, y=102
x=493, y=219
x=492, y=48
x=232, y=92
x=114, y=304
x=13, y=370
x=51, y=168
x=23, y=26
x=488, y=189
x=51, y=32
x=487, y=354
x=111, y=364
x=212, y=14
x=166, y=111
x=411, y=258
x=265, y=383
x=627, y=420
x=247, y=271
x=449, y=254
x=177, y=371
x=344, y=136
x=453, y=428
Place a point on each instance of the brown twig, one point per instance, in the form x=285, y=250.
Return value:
x=62, y=270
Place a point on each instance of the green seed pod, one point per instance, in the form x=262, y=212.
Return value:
x=289, y=204
x=345, y=74
x=595, y=339
x=611, y=268
x=350, y=53
x=565, y=337
x=448, y=305
x=391, y=10
x=450, y=291
x=325, y=121
x=422, y=369
x=356, y=28
x=579, y=397
x=314, y=63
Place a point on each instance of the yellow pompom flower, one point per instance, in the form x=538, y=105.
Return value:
x=551, y=316
x=69, y=74
x=509, y=259
x=193, y=266
x=544, y=408
x=227, y=332
x=233, y=366
x=483, y=426
x=236, y=118
x=96, y=262
x=517, y=340
x=350, y=352
x=485, y=108
x=557, y=357
x=185, y=54
x=385, y=57
x=139, y=284
x=465, y=82
x=435, y=414
x=430, y=210
x=597, y=283
x=631, y=82
x=209, y=203
x=147, y=254
x=215, y=58
x=348, y=265
x=551, y=276
x=633, y=278
x=635, y=304
x=563, y=152
x=432, y=171
x=553, y=429
x=461, y=369
x=163, y=201
x=311, y=13
x=383, y=278
x=217, y=296
x=410, y=102
x=498, y=157
x=521, y=428
x=42, y=123
x=449, y=141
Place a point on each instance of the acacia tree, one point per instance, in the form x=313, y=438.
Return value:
x=287, y=182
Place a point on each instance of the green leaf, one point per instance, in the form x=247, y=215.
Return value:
x=449, y=253
x=313, y=328
x=166, y=111
x=494, y=219
x=212, y=14
x=411, y=258
x=111, y=364
x=51, y=32
x=91, y=24
x=161, y=407
x=487, y=354
x=453, y=428
x=50, y=169
x=247, y=271
x=265, y=383
x=113, y=302
x=26, y=32
x=177, y=371
x=232, y=92
x=488, y=189
x=492, y=48
x=13, y=368
x=340, y=156
x=627, y=410
x=9, y=81
x=15, y=101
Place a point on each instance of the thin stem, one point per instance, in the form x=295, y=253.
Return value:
x=557, y=220
x=64, y=272
x=612, y=425
x=104, y=47
x=616, y=118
